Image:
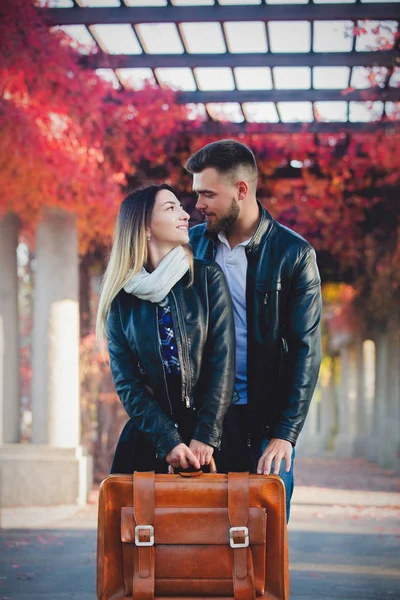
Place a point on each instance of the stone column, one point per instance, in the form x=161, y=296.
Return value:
x=55, y=468
x=379, y=402
x=389, y=441
x=344, y=443
x=9, y=332
x=55, y=343
x=361, y=421
x=309, y=442
x=328, y=409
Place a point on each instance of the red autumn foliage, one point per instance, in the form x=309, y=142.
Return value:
x=69, y=140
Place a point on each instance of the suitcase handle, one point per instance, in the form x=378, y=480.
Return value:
x=192, y=472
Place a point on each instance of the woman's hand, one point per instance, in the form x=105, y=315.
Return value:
x=182, y=457
x=203, y=452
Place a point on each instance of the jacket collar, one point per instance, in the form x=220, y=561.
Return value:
x=264, y=228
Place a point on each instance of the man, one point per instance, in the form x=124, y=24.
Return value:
x=275, y=286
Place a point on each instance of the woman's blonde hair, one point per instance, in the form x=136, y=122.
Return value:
x=129, y=251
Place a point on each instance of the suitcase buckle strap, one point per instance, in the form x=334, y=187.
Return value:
x=243, y=540
x=148, y=534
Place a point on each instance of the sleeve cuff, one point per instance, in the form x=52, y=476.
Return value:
x=207, y=437
x=283, y=433
x=166, y=445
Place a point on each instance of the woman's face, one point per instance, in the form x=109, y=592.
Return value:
x=169, y=223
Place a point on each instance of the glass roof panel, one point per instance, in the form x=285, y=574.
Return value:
x=375, y=35
x=253, y=78
x=226, y=2
x=225, y=111
x=160, y=38
x=193, y=3
x=214, y=78
x=246, y=36
x=366, y=1
x=292, y=78
x=196, y=111
x=330, y=111
x=286, y=1
x=97, y=3
x=145, y=2
x=392, y=110
x=116, y=39
x=334, y=1
x=289, y=36
x=203, y=38
x=394, y=81
x=294, y=112
x=260, y=112
x=365, y=112
x=80, y=37
x=135, y=79
x=55, y=3
x=366, y=77
x=180, y=78
x=331, y=78
x=333, y=36
x=110, y=76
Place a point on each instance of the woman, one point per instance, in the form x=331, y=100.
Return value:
x=170, y=333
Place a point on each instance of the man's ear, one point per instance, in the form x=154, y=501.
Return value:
x=243, y=189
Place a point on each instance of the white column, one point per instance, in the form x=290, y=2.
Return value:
x=361, y=423
x=9, y=333
x=389, y=440
x=344, y=442
x=55, y=469
x=379, y=403
x=328, y=409
x=309, y=443
x=55, y=340
x=369, y=352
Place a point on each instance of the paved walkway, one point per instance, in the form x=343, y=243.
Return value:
x=344, y=538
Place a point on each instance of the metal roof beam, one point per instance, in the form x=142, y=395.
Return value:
x=311, y=95
x=175, y=14
x=382, y=58
x=229, y=129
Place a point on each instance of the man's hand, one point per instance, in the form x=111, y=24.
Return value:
x=182, y=457
x=276, y=451
x=203, y=452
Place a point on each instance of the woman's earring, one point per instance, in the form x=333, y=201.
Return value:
x=148, y=236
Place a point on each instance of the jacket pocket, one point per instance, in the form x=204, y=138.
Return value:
x=268, y=295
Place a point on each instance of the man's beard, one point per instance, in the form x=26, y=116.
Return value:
x=225, y=222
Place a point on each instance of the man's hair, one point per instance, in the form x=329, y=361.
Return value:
x=226, y=156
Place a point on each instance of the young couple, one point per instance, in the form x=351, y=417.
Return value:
x=214, y=347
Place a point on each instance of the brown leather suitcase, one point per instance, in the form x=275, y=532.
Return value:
x=189, y=537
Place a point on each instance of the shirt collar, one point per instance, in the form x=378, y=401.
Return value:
x=223, y=239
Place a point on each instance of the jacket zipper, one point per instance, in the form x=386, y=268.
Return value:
x=162, y=364
x=266, y=298
x=185, y=352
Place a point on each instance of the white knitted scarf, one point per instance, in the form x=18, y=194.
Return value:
x=156, y=286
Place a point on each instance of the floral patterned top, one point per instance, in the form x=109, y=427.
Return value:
x=169, y=350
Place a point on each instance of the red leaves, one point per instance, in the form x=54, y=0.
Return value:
x=69, y=139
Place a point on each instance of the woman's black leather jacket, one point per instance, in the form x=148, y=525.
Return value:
x=204, y=330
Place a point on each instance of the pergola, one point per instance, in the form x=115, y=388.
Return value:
x=324, y=66
x=331, y=68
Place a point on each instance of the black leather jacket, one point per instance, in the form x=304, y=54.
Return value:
x=283, y=314
x=204, y=331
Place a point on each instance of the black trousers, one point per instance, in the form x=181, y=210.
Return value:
x=135, y=452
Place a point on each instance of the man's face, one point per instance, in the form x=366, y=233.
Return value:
x=216, y=199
